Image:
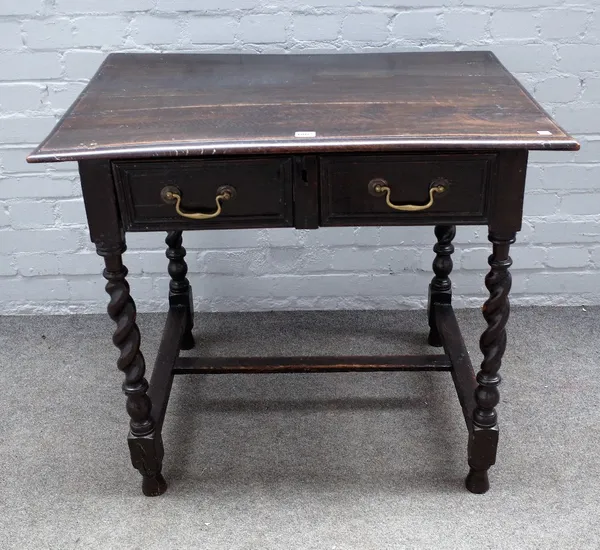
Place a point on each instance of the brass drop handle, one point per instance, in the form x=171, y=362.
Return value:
x=379, y=187
x=172, y=195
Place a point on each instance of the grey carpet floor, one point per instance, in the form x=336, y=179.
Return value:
x=303, y=461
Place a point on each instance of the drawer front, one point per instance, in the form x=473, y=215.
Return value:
x=443, y=187
x=255, y=192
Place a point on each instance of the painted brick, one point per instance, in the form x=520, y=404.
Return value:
x=82, y=64
x=22, y=7
x=566, y=177
x=540, y=205
x=224, y=239
x=590, y=150
x=475, y=258
x=152, y=241
x=591, y=89
x=366, y=236
x=564, y=282
x=286, y=237
x=6, y=266
x=16, y=97
x=535, y=58
x=29, y=66
x=399, y=259
x=371, y=27
x=26, y=129
x=584, y=119
x=29, y=214
x=10, y=35
x=567, y=257
x=92, y=288
x=527, y=80
x=4, y=217
x=48, y=34
x=595, y=256
x=148, y=29
x=593, y=31
x=555, y=157
x=41, y=289
x=102, y=6
x=137, y=262
x=61, y=96
x=514, y=25
x=35, y=187
x=83, y=263
x=298, y=260
x=563, y=23
x=304, y=4
x=41, y=240
x=576, y=58
x=355, y=259
x=86, y=288
x=528, y=257
x=411, y=4
x=317, y=27
x=581, y=204
x=61, y=169
x=37, y=265
x=330, y=236
x=141, y=286
x=206, y=5
x=558, y=89
x=252, y=28
x=72, y=212
x=338, y=284
x=13, y=160
x=291, y=259
x=416, y=25
x=457, y=21
x=101, y=31
x=406, y=236
x=212, y=30
x=232, y=262
x=561, y=232
x=513, y=3
x=535, y=177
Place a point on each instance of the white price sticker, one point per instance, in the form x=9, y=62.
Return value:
x=305, y=134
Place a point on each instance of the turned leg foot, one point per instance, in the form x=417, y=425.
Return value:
x=153, y=486
x=477, y=481
x=434, y=338
x=187, y=342
x=440, y=289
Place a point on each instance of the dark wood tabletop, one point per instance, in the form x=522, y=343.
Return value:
x=149, y=105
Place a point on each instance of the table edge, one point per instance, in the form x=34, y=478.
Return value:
x=317, y=146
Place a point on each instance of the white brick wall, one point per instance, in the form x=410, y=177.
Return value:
x=50, y=48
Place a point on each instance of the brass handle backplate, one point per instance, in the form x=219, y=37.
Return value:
x=379, y=187
x=172, y=195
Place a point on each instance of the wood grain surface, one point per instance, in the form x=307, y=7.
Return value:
x=151, y=105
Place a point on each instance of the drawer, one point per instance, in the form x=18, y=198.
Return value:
x=251, y=192
x=355, y=190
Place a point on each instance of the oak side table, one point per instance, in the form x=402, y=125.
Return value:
x=202, y=141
